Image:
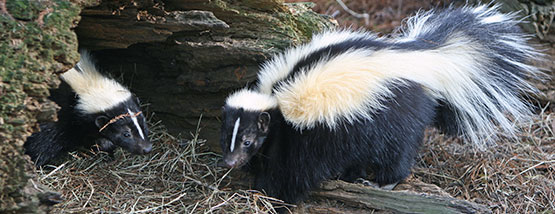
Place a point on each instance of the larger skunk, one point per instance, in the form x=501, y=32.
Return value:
x=99, y=110
x=349, y=100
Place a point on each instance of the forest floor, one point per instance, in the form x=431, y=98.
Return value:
x=180, y=175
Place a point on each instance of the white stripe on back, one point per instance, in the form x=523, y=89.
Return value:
x=235, y=129
x=136, y=123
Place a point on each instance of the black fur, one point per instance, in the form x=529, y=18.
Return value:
x=291, y=162
x=298, y=161
x=75, y=129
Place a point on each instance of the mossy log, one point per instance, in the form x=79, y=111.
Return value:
x=36, y=42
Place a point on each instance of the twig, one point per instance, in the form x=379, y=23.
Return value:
x=536, y=165
x=90, y=196
x=160, y=206
x=42, y=14
x=113, y=120
x=223, y=203
x=365, y=16
x=202, y=184
x=53, y=171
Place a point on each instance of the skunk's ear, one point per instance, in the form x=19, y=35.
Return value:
x=100, y=121
x=264, y=122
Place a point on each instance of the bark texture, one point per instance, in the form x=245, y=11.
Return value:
x=395, y=201
x=36, y=42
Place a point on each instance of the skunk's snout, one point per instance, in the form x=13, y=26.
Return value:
x=228, y=162
x=141, y=147
x=147, y=148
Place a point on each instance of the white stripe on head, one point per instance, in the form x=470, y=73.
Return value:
x=136, y=123
x=235, y=129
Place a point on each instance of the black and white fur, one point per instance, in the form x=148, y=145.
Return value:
x=349, y=100
x=89, y=101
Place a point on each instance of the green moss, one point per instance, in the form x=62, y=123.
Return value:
x=309, y=22
x=24, y=9
x=32, y=50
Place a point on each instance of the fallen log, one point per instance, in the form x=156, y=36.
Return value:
x=403, y=201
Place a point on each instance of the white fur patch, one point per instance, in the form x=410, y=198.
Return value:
x=494, y=18
x=134, y=119
x=235, y=130
x=251, y=101
x=281, y=64
x=344, y=87
x=96, y=92
x=415, y=26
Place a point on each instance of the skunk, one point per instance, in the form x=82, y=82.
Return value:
x=98, y=111
x=349, y=100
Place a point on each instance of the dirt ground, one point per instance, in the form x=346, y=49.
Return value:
x=180, y=175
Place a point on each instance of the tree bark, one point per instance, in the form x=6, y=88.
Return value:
x=36, y=42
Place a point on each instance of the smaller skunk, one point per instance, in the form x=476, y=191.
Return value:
x=98, y=111
x=349, y=100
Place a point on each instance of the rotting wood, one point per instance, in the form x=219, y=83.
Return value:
x=396, y=201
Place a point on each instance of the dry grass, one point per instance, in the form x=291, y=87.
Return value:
x=516, y=176
x=177, y=177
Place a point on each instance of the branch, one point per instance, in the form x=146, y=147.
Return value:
x=397, y=201
x=364, y=16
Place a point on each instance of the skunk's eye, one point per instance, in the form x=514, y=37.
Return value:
x=127, y=134
x=247, y=143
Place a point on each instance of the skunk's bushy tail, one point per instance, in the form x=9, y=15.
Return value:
x=95, y=91
x=484, y=56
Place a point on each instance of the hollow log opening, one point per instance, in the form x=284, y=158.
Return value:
x=182, y=58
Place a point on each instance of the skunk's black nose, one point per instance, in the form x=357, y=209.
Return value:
x=147, y=148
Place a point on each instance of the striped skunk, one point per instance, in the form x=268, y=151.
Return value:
x=98, y=110
x=349, y=100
